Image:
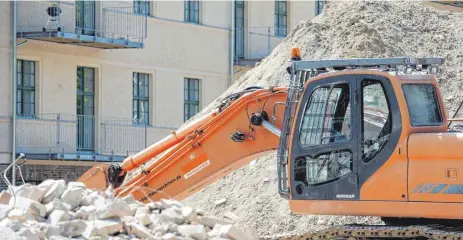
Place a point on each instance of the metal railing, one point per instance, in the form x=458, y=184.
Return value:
x=106, y=19
x=257, y=42
x=71, y=133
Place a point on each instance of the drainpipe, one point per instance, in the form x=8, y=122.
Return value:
x=13, y=150
x=232, y=42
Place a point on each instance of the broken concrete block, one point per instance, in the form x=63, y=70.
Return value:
x=215, y=232
x=94, y=199
x=73, y=228
x=58, y=216
x=10, y=234
x=73, y=196
x=31, y=233
x=138, y=230
x=133, y=207
x=170, y=215
x=195, y=231
x=211, y=221
x=167, y=203
x=20, y=215
x=76, y=184
x=231, y=216
x=220, y=202
x=31, y=192
x=115, y=209
x=102, y=228
x=5, y=197
x=143, y=210
x=28, y=206
x=11, y=224
x=57, y=204
x=169, y=236
x=190, y=214
x=53, y=231
x=55, y=191
x=232, y=232
x=85, y=212
x=144, y=219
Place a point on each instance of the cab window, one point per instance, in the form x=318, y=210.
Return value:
x=326, y=116
x=423, y=104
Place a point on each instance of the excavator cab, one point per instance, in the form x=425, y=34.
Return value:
x=354, y=143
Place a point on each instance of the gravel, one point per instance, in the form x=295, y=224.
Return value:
x=345, y=29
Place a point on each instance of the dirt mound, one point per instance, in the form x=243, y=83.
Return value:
x=358, y=29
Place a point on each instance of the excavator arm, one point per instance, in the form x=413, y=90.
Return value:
x=245, y=126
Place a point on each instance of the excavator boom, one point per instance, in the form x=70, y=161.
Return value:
x=245, y=127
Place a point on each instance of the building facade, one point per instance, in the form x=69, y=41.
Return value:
x=97, y=81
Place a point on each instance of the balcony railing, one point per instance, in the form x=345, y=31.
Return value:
x=256, y=43
x=83, y=137
x=101, y=24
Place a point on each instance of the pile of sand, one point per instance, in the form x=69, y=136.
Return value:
x=359, y=29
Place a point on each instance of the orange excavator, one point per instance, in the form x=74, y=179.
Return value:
x=363, y=137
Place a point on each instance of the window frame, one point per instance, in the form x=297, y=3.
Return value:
x=21, y=88
x=136, y=78
x=437, y=101
x=362, y=126
x=139, y=5
x=189, y=102
x=188, y=5
x=319, y=5
x=329, y=85
x=281, y=13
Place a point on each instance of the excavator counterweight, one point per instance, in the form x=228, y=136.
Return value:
x=364, y=137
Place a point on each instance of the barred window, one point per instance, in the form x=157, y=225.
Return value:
x=141, y=7
x=281, y=18
x=191, y=105
x=191, y=11
x=140, y=98
x=25, y=99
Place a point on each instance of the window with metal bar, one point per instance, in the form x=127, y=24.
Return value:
x=319, y=6
x=192, y=11
x=25, y=99
x=281, y=13
x=141, y=7
x=140, y=98
x=191, y=105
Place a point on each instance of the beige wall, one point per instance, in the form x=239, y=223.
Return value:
x=173, y=50
x=6, y=86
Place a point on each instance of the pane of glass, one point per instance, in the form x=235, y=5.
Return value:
x=79, y=101
x=146, y=82
x=187, y=5
x=88, y=111
x=283, y=7
x=187, y=15
x=196, y=86
x=88, y=101
x=422, y=104
x=186, y=95
x=135, y=88
x=196, y=95
x=28, y=67
x=79, y=78
x=325, y=167
x=196, y=4
x=146, y=91
x=311, y=128
x=29, y=97
x=282, y=20
x=135, y=105
x=193, y=15
x=185, y=109
x=90, y=75
x=19, y=109
x=191, y=110
x=88, y=86
x=196, y=109
x=27, y=109
x=19, y=66
x=19, y=96
x=20, y=79
x=376, y=119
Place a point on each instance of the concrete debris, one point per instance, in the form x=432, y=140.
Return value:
x=81, y=213
x=5, y=197
x=220, y=202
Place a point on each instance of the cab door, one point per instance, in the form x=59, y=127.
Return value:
x=324, y=146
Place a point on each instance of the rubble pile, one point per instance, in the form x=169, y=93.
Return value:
x=56, y=210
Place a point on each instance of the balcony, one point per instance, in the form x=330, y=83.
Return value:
x=57, y=136
x=98, y=24
x=255, y=43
